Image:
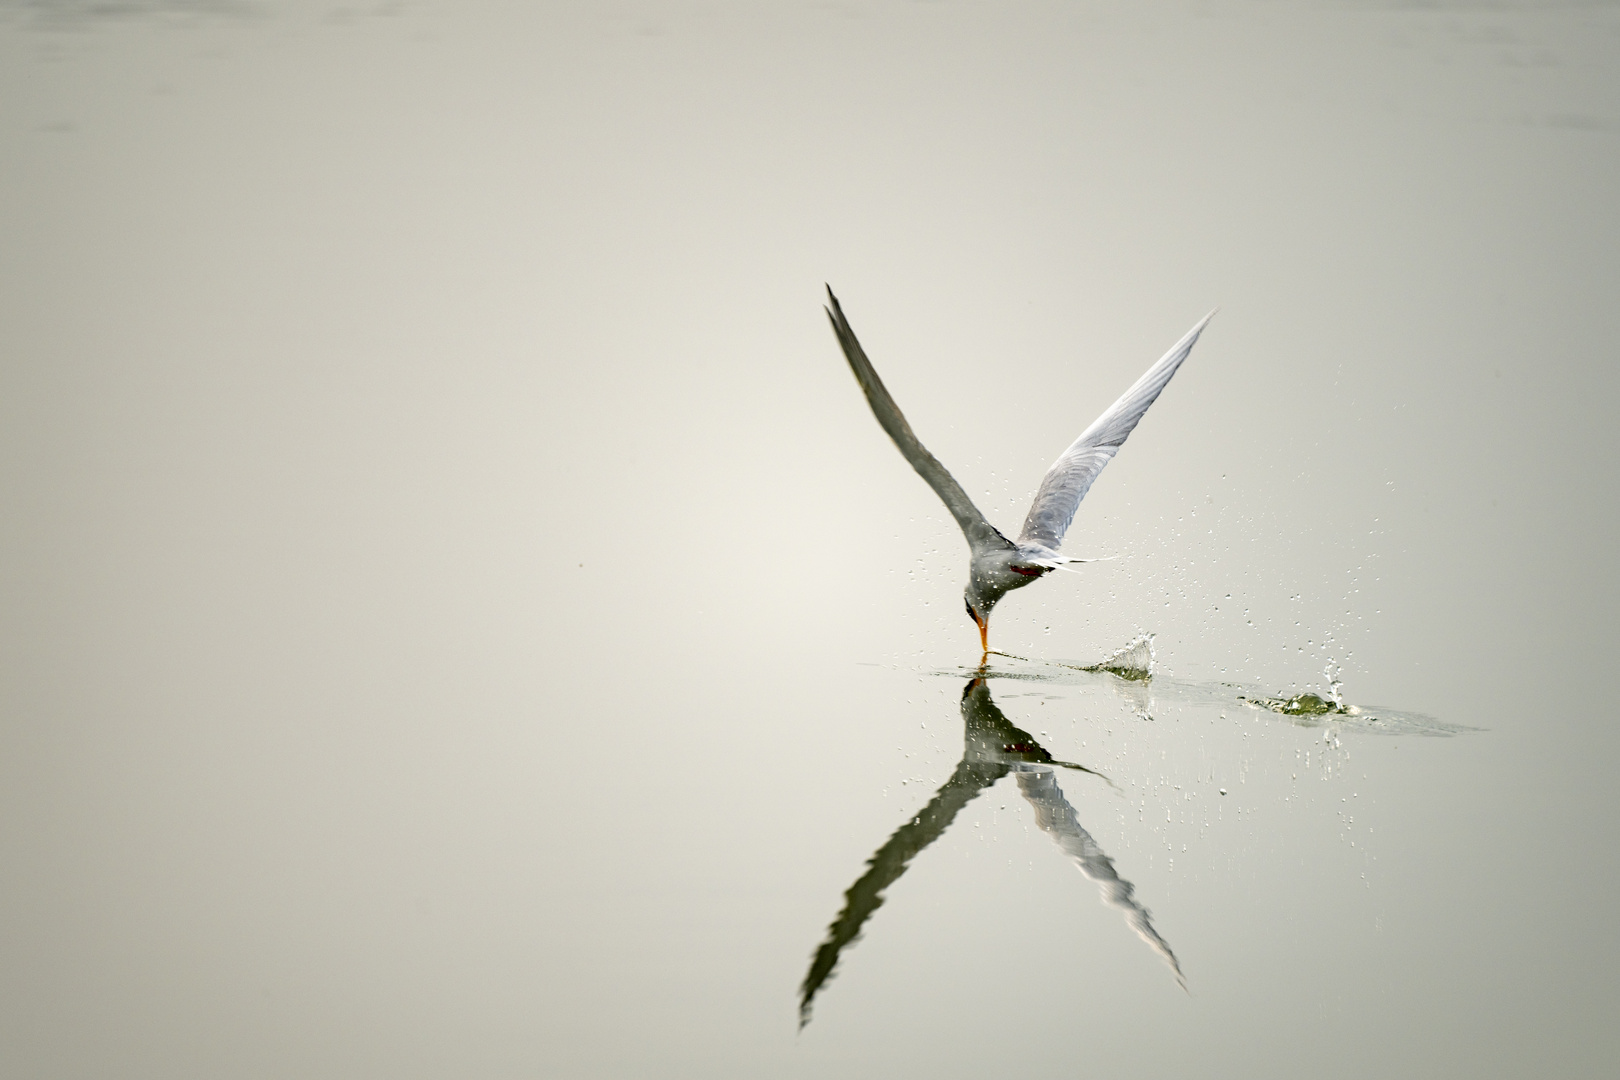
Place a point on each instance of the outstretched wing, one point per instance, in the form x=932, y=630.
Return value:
x=1070, y=476
x=979, y=532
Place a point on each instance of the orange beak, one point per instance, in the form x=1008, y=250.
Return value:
x=984, y=633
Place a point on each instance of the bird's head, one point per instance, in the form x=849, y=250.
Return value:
x=978, y=603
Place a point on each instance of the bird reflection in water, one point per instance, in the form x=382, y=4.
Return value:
x=994, y=748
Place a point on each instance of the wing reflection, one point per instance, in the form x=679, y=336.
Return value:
x=1057, y=819
x=993, y=748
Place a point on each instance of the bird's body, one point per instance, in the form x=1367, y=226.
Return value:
x=998, y=565
x=997, y=571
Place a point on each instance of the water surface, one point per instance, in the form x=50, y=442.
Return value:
x=460, y=617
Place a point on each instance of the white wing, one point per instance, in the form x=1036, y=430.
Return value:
x=1070, y=476
x=981, y=535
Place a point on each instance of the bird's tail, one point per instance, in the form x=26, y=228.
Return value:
x=1061, y=562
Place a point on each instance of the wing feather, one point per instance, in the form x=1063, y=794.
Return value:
x=979, y=532
x=1071, y=475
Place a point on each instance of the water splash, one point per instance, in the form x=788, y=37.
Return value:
x=1135, y=661
x=1306, y=704
x=1307, y=709
x=1330, y=675
x=1312, y=704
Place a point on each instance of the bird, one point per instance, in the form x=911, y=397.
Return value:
x=998, y=565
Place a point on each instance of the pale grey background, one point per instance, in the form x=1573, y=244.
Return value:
x=460, y=618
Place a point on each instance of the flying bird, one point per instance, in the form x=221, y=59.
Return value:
x=999, y=565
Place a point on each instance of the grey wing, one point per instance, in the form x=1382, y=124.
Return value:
x=1070, y=476
x=980, y=533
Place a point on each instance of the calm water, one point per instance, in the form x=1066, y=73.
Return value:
x=460, y=617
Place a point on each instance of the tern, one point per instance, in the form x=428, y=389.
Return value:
x=998, y=565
